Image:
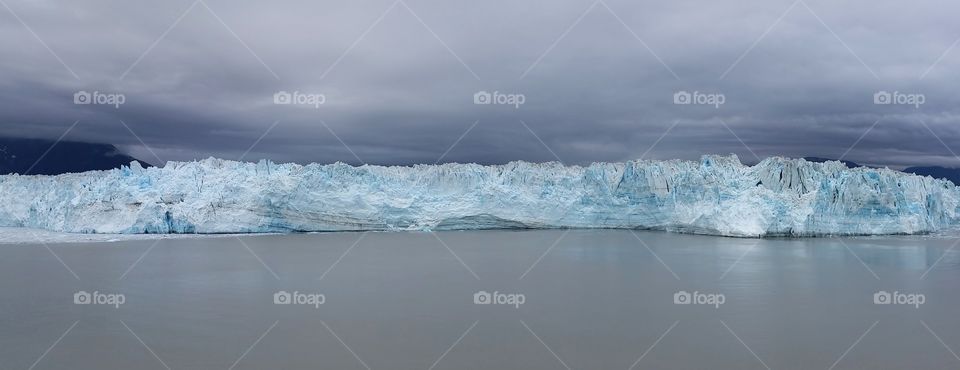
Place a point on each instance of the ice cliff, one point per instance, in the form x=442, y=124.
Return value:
x=717, y=195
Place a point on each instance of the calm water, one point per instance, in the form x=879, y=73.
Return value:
x=590, y=300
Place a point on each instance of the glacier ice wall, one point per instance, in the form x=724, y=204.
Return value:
x=717, y=195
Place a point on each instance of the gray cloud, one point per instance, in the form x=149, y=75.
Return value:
x=402, y=91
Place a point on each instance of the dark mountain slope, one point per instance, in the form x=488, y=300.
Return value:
x=937, y=172
x=21, y=155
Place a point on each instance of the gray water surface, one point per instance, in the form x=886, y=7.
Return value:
x=591, y=300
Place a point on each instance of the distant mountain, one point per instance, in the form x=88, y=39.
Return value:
x=821, y=160
x=22, y=155
x=937, y=172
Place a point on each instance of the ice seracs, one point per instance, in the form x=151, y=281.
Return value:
x=716, y=195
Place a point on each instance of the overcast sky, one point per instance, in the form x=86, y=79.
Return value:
x=598, y=79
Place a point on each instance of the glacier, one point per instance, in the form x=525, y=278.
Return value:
x=717, y=195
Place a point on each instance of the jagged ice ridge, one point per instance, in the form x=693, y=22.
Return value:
x=717, y=195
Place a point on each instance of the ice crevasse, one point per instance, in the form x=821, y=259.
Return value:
x=716, y=195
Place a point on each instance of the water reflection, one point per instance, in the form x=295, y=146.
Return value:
x=597, y=298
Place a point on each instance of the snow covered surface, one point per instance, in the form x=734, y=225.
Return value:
x=716, y=195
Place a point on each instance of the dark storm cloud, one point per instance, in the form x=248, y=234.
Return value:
x=797, y=78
